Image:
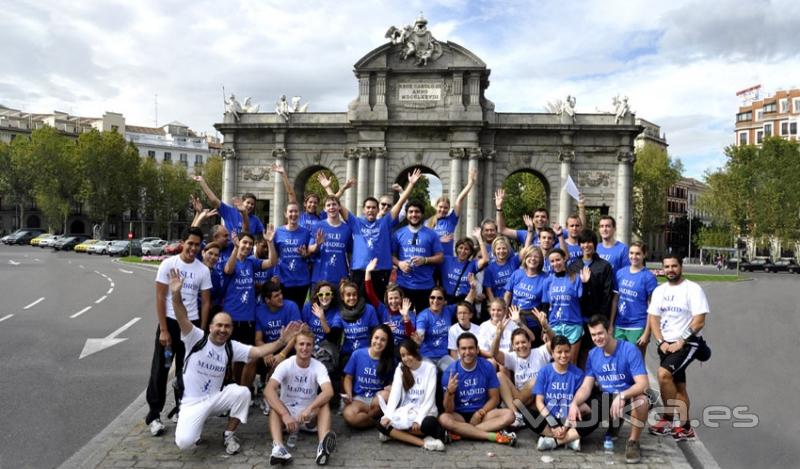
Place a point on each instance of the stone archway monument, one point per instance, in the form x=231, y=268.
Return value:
x=422, y=102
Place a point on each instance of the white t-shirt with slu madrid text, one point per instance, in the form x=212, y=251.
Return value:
x=196, y=277
x=676, y=305
x=205, y=369
x=299, y=385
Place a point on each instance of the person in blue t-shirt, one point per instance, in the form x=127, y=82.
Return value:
x=547, y=241
x=570, y=245
x=564, y=292
x=433, y=326
x=471, y=396
x=534, y=224
x=609, y=249
x=358, y=319
x=633, y=288
x=555, y=388
x=291, y=243
x=367, y=375
x=416, y=249
x=444, y=221
x=496, y=274
x=618, y=369
x=456, y=270
x=395, y=309
x=372, y=235
x=233, y=216
x=527, y=287
x=331, y=241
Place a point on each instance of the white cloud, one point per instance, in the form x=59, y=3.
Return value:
x=679, y=63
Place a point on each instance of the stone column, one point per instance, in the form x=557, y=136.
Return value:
x=456, y=154
x=363, y=90
x=488, y=184
x=379, y=174
x=380, y=90
x=228, y=174
x=363, y=174
x=458, y=91
x=474, y=155
x=625, y=160
x=474, y=88
x=350, y=195
x=564, y=200
x=278, y=192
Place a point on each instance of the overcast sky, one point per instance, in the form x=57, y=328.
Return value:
x=680, y=62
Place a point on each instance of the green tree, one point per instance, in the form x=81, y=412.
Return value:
x=165, y=191
x=110, y=172
x=314, y=187
x=17, y=175
x=212, y=173
x=714, y=236
x=653, y=173
x=524, y=194
x=421, y=193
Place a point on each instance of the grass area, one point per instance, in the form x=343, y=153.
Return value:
x=707, y=278
x=138, y=260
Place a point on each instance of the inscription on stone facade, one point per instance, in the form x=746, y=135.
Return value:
x=419, y=91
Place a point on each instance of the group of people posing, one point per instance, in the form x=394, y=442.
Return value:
x=406, y=329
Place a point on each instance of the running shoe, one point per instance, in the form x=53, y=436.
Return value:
x=325, y=448
x=383, y=438
x=279, y=455
x=156, y=427
x=519, y=421
x=546, y=443
x=231, y=443
x=450, y=437
x=633, y=454
x=265, y=406
x=574, y=445
x=291, y=440
x=663, y=427
x=432, y=444
x=506, y=438
x=682, y=434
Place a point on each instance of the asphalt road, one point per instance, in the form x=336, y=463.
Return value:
x=753, y=331
x=54, y=402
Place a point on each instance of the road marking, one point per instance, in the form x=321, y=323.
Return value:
x=13, y=262
x=38, y=260
x=96, y=345
x=7, y=316
x=80, y=312
x=109, y=291
x=100, y=300
x=112, y=284
x=125, y=271
x=34, y=303
x=81, y=266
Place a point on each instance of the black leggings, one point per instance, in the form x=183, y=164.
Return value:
x=430, y=427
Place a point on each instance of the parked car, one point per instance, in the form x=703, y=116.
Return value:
x=84, y=246
x=49, y=241
x=68, y=243
x=757, y=263
x=125, y=248
x=100, y=247
x=35, y=241
x=153, y=248
x=784, y=264
x=174, y=247
x=732, y=263
x=149, y=239
x=23, y=236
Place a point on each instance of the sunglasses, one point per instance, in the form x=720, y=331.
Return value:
x=437, y=298
x=384, y=204
x=324, y=294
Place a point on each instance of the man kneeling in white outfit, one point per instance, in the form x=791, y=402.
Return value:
x=208, y=360
x=299, y=406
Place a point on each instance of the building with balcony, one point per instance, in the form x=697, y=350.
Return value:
x=775, y=115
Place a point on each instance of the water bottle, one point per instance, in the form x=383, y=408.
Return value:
x=167, y=356
x=608, y=450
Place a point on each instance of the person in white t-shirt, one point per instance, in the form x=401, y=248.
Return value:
x=498, y=314
x=299, y=406
x=677, y=314
x=464, y=315
x=205, y=391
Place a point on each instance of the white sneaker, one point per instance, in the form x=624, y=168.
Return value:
x=575, y=445
x=175, y=417
x=279, y=455
x=383, y=438
x=265, y=406
x=519, y=421
x=232, y=444
x=291, y=440
x=432, y=444
x=156, y=427
x=546, y=443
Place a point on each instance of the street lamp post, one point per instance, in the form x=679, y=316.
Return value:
x=690, y=235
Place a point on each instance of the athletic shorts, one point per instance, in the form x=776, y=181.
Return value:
x=573, y=332
x=295, y=409
x=244, y=332
x=677, y=362
x=628, y=335
x=366, y=400
x=467, y=416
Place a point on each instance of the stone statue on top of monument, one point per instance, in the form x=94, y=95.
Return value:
x=416, y=41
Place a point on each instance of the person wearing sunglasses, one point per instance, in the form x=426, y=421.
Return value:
x=321, y=314
x=433, y=326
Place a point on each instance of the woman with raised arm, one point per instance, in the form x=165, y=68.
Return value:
x=564, y=291
x=527, y=286
x=291, y=242
x=444, y=221
x=395, y=310
x=456, y=270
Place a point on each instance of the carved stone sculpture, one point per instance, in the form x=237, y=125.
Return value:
x=621, y=109
x=283, y=108
x=415, y=41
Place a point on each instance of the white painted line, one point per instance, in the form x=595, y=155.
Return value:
x=95, y=345
x=13, y=262
x=97, y=272
x=125, y=271
x=7, y=316
x=100, y=300
x=109, y=291
x=34, y=303
x=82, y=267
x=38, y=260
x=80, y=312
x=112, y=284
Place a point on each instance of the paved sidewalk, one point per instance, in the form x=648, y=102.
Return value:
x=128, y=443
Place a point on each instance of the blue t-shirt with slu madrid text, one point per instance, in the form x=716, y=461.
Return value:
x=331, y=317
x=292, y=268
x=616, y=255
x=308, y=220
x=614, y=373
x=330, y=261
x=446, y=226
x=271, y=322
x=364, y=370
x=564, y=296
x=528, y=293
x=435, y=328
x=356, y=333
x=558, y=389
x=371, y=240
x=456, y=273
x=232, y=219
x=395, y=322
x=495, y=276
x=407, y=244
x=633, y=289
x=473, y=385
x=574, y=252
x=240, y=292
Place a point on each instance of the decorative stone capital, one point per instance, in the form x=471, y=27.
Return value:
x=228, y=153
x=350, y=154
x=626, y=157
x=279, y=153
x=566, y=156
x=474, y=153
x=364, y=152
x=380, y=152
x=489, y=155
x=457, y=153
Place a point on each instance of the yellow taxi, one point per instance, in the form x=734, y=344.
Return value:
x=35, y=241
x=82, y=247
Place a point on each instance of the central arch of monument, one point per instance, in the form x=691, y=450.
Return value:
x=425, y=104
